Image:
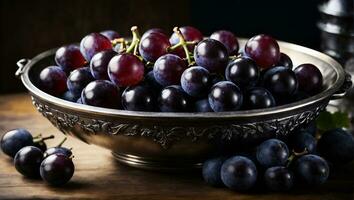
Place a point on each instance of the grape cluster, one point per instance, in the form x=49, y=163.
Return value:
x=32, y=158
x=184, y=72
x=281, y=165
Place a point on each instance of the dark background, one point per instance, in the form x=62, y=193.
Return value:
x=31, y=27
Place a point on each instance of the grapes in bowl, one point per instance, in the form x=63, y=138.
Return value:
x=148, y=109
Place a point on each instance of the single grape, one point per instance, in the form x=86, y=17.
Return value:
x=309, y=78
x=264, y=50
x=195, y=81
x=311, y=170
x=225, y=96
x=59, y=149
x=281, y=82
x=94, y=43
x=212, y=55
x=168, y=69
x=110, y=34
x=139, y=98
x=69, y=58
x=202, y=106
x=101, y=93
x=173, y=99
x=243, y=72
x=228, y=39
x=14, y=140
x=70, y=96
x=190, y=34
x=125, y=70
x=279, y=178
x=272, y=152
x=27, y=161
x=302, y=140
x=57, y=169
x=337, y=146
x=257, y=98
x=52, y=80
x=211, y=171
x=239, y=173
x=78, y=80
x=150, y=80
x=153, y=30
x=285, y=61
x=154, y=46
x=99, y=64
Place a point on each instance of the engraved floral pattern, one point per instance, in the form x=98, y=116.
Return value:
x=167, y=135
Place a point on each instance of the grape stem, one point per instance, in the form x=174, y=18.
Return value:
x=41, y=139
x=62, y=142
x=182, y=42
x=135, y=41
x=294, y=155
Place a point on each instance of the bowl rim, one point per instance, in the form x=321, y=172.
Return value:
x=326, y=94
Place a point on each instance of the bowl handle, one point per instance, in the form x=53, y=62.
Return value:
x=21, y=66
x=344, y=88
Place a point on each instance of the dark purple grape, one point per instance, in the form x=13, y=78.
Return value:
x=150, y=80
x=202, y=106
x=301, y=141
x=27, y=161
x=239, y=173
x=264, y=50
x=212, y=171
x=139, y=98
x=94, y=43
x=70, y=96
x=280, y=81
x=309, y=78
x=337, y=146
x=41, y=145
x=126, y=70
x=99, y=64
x=110, y=34
x=173, y=99
x=57, y=169
x=168, y=69
x=212, y=55
x=14, y=140
x=285, y=61
x=257, y=98
x=225, y=96
x=153, y=30
x=101, y=93
x=195, y=81
x=58, y=150
x=78, y=80
x=279, y=179
x=243, y=72
x=311, y=170
x=215, y=78
x=272, y=152
x=52, y=80
x=69, y=58
x=154, y=46
x=228, y=39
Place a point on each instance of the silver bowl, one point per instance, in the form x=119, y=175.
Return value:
x=174, y=141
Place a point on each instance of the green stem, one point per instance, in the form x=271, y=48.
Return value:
x=135, y=40
x=294, y=155
x=40, y=139
x=183, y=43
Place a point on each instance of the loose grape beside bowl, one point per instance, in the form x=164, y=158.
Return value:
x=175, y=141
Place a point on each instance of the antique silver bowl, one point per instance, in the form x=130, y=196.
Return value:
x=172, y=141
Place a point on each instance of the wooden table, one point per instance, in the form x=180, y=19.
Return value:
x=99, y=176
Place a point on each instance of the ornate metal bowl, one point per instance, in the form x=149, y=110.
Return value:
x=171, y=141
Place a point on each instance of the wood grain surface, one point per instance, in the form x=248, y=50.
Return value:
x=99, y=176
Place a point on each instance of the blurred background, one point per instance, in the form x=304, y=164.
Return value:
x=31, y=27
